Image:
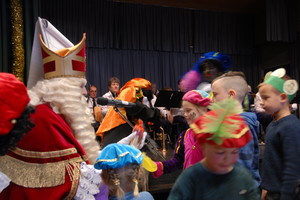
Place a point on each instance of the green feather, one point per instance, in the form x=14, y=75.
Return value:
x=216, y=126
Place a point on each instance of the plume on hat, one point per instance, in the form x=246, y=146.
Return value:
x=223, y=125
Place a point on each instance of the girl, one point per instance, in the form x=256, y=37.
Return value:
x=187, y=151
x=120, y=166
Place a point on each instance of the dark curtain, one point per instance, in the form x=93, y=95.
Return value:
x=281, y=19
x=163, y=68
x=157, y=43
x=295, y=59
x=30, y=9
x=5, y=39
x=228, y=33
x=115, y=25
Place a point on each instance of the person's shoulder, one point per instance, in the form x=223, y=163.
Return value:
x=289, y=122
x=43, y=110
x=288, y=127
x=241, y=171
x=107, y=94
x=249, y=116
x=293, y=118
x=194, y=169
x=45, y=116
x=251, y=120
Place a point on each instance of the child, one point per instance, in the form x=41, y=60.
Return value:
x=120, y=166
x=221, y=133
x=233, y=85
x=281, y=164
x=187, y=151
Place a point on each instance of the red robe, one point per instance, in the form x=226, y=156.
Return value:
x=46, y=163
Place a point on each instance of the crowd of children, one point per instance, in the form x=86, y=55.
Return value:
x=48, y=147
x=219, y=151
x=221, y=133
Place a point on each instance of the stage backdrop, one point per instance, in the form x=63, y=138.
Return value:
x=157, y=43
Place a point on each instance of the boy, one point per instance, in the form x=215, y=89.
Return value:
x=220, y=132
x=233, y=85
x=281, y=164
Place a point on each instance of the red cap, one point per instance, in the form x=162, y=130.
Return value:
x=13, y=101
x=222, y=126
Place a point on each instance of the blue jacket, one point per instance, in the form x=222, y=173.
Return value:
x=249, y=154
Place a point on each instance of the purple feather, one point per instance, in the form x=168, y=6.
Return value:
x=190, y=81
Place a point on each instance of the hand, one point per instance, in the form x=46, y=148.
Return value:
x=264, y=194
x=159, y=170
x=170, y=118
x=134, y=139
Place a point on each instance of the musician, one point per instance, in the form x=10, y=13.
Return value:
x=114, y=127
x=113, y=89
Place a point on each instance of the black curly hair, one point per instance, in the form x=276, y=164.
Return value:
x=21, y=127
x=212, y=63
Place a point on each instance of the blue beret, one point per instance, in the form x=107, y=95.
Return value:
x=118, y=155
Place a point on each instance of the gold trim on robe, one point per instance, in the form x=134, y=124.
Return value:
x=49, y=154
x=34, y=175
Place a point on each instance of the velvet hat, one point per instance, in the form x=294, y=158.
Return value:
x=117, y=156
x=13, y=101
x=198, y=97
x=223, y=125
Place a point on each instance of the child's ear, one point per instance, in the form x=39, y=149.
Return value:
x=231, y=93
x=284, y=97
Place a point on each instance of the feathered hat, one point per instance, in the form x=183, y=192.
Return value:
x=213, y=55
x=13, y=101
x=198, y=97
x=117, y=156
x=192, y=78
x=223, y=125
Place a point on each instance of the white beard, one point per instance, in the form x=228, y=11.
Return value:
x=64, y=96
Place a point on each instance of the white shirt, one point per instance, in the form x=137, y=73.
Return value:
x=108, y=95
x=89, y=101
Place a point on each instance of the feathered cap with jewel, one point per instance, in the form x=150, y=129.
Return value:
x=222, y=126
x=214, y=55
x=198, y=97
x=13, y=101
x=192, y=78
x=288, y=87
x=117, y=156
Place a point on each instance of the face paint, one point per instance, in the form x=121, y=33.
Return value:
x=192, y=112
x=192, y=115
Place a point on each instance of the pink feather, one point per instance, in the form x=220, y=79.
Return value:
x=190, y=81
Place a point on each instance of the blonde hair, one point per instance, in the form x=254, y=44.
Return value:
x=234, y=80
x=65, y=97
x=122, y=180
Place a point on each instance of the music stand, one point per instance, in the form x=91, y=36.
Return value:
x=169, y=99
